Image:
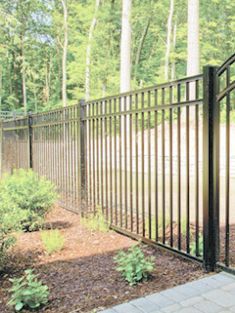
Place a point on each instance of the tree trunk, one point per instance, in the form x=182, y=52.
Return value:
x=193, y=38
x=65, y=50
x=88, y=51
x=24, y=90
x=168, y=39
x=48, y=81
x=173, y=77
x=125, y=70
x=1, y=90
x=193, y=61
x=141, y=44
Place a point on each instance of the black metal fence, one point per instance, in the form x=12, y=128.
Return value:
x=4, y=115
x=149, y=159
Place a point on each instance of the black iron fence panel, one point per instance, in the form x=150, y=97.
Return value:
x=15, y=144
x=55, y=150
x=144, y=163
x=158, y=162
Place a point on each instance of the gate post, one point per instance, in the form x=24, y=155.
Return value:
x=210, y=169
x=30, y=123
x=82, y=152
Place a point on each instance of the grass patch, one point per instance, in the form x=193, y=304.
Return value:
x=95, y=221
x=53, y=241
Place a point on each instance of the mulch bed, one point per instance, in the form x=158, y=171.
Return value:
x=82, y=277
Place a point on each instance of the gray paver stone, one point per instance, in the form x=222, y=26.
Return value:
x=126, y=308
x=213, y=294
x=208, y=307
x=174, y=295
x=229, y=288
x=145, y=305
x=191, y=301
x=188, y=310
x=160, y=300
x=188, y=291
x=220, y=297
x=172, y=308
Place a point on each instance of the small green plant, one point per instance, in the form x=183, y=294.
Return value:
x=95, y=221
x=53, y=240
x=10, y=223
x=133, y=265
x=28, y=292
x=31, y=193
x=200, y=246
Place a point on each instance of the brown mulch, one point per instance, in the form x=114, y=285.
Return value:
x=82, y=277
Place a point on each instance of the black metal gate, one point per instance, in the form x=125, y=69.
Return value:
x=225, y=100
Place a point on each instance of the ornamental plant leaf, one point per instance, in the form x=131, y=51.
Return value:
x=28, y=292
x=133, y=265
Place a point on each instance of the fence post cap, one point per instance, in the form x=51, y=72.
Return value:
x=82, y=102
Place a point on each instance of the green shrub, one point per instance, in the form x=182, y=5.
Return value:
x=31, y=193
x=200, y=246
x=133, y=265
x=10, y=222
x=53, y=240
x=95, y=222
x=28, y=292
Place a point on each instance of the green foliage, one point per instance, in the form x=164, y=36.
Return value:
x=31, y=40
x=28, y=292
x=53, y=240
x=95, y=222
x=200, y=246
x=133, y=265
x=10, y=222
x=29, y=192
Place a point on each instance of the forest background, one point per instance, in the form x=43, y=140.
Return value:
x=54, y=52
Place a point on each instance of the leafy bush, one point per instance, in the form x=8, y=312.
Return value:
x=53, y=241
x=10, y=222
x=133, y=265
x=96, y=222
x=200, y=246
x=29, y=192
x=28, y=292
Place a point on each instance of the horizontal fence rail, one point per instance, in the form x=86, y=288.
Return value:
x=158, y=162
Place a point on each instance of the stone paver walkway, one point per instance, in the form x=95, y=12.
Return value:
x=212, y=294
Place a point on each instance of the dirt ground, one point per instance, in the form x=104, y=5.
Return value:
x=82, y=277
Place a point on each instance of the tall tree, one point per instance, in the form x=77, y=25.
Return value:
x=65, y=51
x=141, y=45
x=168, y=39
x=193, y=58
x=88, y=50
x=125, y=69
x=173, y=48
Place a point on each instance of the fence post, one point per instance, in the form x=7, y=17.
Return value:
x=82, y=115
x=30, y=122
x=210, y=169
